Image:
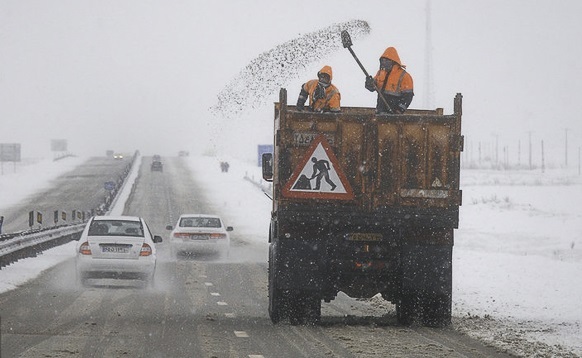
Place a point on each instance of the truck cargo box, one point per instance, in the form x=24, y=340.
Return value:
x=363, y=203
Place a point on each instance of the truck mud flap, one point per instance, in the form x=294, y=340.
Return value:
x=299, y=265
x=426, y=285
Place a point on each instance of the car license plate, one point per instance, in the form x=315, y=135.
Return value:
x=364, y=236
x=199, y=237
x=115, y=249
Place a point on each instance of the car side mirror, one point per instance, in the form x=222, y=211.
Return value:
x=229, y=228
x=157, y=239
x=267, y=165
x=169, y=227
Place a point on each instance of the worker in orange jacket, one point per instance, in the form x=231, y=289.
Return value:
x=323, y=96
x=393, y=82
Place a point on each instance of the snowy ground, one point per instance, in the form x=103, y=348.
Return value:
x=517, y=257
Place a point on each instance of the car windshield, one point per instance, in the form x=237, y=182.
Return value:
x=116, y=228
x=200, y=222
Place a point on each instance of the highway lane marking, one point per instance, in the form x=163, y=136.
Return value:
x=241, y=334
x=221, y=303
x=208, y=284
x=214, y=294
x=256, y=356
x=230, y=315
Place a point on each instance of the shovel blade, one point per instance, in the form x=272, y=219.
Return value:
x=346, y=39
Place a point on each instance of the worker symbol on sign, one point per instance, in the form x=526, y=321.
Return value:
x=321, y=169
x=318, y=175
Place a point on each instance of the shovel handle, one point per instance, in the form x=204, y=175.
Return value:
x=358, y=61
x=347, y=42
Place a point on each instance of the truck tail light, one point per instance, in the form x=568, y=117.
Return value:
x=217, y=236
x=369, y=265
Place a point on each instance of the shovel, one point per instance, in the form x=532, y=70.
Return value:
x=347, y=42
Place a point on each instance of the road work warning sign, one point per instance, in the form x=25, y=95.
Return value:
x=319, y=175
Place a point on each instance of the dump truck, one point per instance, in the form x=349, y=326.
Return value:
x=365, y=204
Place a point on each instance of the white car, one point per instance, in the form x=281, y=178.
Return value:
x=200, y=233
x=120, y=247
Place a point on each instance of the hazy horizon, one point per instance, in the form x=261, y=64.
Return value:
x=143, y=75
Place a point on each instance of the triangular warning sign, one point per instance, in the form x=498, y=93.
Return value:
x=318, y=175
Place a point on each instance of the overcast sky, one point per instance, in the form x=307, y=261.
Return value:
x=137, y=74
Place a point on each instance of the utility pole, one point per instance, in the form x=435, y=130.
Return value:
x=496, y=148
x=543, y=163
x=529, y=133
x=566, y=147
x=519, y=153
x=428, y=100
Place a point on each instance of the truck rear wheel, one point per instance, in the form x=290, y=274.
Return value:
x=406, y=310
x=277, y=303
x=313, y=311
x=426, y=285
x=296, y=315
x=437, y=311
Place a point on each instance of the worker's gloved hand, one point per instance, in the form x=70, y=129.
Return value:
x=319, y=92
x=300, y=103
x=370, y=84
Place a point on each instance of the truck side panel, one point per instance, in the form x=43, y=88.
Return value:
x=390, y=162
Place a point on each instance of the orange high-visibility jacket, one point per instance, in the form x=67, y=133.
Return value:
x=331, y=101
x=398, y=81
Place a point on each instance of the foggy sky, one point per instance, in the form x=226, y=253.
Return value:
x=127, y=75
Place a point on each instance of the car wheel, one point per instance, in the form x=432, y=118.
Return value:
x=81, y=281
x=151, y=281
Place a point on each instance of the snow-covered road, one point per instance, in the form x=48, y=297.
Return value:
x=517, y=256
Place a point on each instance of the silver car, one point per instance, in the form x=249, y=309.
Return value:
x=119, y=247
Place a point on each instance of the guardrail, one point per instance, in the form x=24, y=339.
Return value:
x=16, y=246
x=32, y=244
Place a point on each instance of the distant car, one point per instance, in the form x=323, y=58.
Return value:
x=183, y=153
x=119, y=247
x=157, y=166
x=117, y=156
x=200, y=234
x=157, y=157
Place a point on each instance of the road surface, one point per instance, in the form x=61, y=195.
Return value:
x=200, y=306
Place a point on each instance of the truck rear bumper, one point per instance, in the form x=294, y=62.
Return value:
x=313, y=266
